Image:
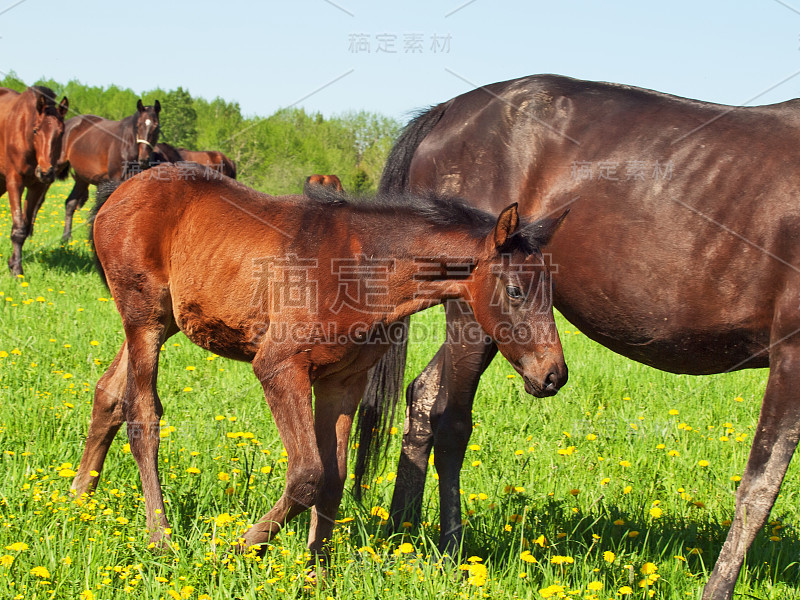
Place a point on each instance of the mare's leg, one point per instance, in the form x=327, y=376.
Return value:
x=107, y=418
x=440, y=414
x=336, y=401
x=287, y=389
x=773, y=445
x=76, y=199
x=19, y=224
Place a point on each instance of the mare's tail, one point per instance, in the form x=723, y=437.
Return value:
x=104, y=190
x=376, y=414
x=385, y=384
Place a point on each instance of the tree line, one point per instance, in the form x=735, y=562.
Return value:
x=273, y=154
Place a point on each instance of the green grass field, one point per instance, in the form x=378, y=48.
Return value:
x=621, y=486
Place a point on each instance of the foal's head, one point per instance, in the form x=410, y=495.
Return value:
x=511, y=297
x=48, y=131
x=146, y=130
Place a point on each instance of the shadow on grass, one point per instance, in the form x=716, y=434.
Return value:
x=693, y=540
x=66, y=259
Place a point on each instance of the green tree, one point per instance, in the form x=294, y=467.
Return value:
x=178, y=119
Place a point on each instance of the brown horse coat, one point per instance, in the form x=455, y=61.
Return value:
x=31, y=130
x=310, y=292
x=214, y=159
x=97, y=150
x=703, y=275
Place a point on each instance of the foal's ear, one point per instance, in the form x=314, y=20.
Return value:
x=63, y=106
x=543, y=229
x=140, y=106
x=506, y=226
x=157, y=106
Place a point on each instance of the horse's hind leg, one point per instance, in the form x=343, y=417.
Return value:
x=106, y=420
x=774, y=443
x=148, y=321
x=336, y=402
x=287, y=389
x=76, y=199
x=440, y=405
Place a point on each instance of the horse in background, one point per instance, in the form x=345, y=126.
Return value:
x=213, y=159
x=97, y=150
x=327, y=181
x=165, y=153
x=31, y=133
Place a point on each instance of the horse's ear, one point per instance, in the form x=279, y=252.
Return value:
x=506, y=226
x=63, y=106
x=41, y=103
x=157, y=106
x=544, y=229
x=139, y=105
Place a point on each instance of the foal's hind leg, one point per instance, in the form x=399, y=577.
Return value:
x=287, y=388
x=774, y=443
x=148, y=322
x=336, y=401
x=106, y=420
x=76, y=199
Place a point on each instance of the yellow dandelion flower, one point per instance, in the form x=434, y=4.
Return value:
x=594, y=586
x=6, y=560
x=609, y=556
x=526, y=557
x=379, y=512
x=40, y=572
x=625, y=590
x=649, y=568
x=703, y=463
x=656, y=512
x=405, y=548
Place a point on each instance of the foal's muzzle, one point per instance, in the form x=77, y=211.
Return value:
x=549, y=384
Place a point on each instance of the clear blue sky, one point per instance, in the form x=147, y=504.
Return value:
x=325, y=56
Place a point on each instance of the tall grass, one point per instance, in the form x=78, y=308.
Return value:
x=622, y=485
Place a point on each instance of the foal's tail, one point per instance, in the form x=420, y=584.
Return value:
x=376, y=414
x=104, y=190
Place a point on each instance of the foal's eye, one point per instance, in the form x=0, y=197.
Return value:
x=514, y=292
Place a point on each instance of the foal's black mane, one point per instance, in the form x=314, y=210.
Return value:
x=440, y=211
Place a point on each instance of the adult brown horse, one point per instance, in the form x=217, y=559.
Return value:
x=31, y=131
x=706, y=279
x=98, y=150
x=328, y=181
x=213, y=159
x=165, y=153
x=310, y=292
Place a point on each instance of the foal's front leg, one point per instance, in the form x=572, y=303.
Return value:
x=287, y=389
x=106, y=420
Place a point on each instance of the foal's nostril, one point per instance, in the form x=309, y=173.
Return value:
x=551, y=382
